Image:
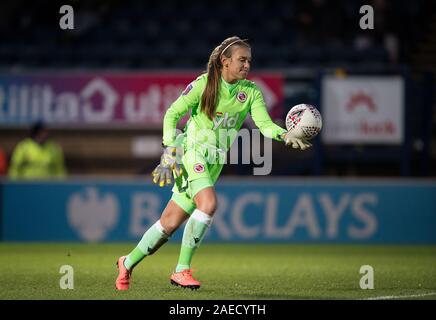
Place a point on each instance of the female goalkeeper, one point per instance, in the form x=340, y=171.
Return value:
x=219, y=101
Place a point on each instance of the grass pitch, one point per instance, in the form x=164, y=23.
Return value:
x=226, y=271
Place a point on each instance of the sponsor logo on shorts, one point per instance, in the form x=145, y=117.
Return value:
x=199, y=168
x=242, y=96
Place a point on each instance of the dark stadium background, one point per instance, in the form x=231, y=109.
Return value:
x=301, y=232
x=299, y=39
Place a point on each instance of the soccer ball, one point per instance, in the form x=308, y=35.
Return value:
x=305, y=120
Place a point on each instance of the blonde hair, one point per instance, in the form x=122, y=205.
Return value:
x=209, y=99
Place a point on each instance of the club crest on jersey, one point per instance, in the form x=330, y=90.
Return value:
x=199, y=168
x=187, y=89
x=241, y=96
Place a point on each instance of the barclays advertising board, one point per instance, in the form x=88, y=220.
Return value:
x=253, y=210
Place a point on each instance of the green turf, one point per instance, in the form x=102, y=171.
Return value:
x=227, y=271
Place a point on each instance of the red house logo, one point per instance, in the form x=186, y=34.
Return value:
x=361, y=99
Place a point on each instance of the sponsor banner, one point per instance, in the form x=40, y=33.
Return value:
x=363, y=109
x=105, y=98
x=311, y=211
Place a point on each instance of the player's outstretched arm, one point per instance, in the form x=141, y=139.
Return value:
x=269, y=129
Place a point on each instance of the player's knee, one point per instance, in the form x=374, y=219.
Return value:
x=206, y=201
x=207, y=205
x=208, y=208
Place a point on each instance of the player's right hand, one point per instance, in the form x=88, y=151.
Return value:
x=296, y=143
x=169, y=164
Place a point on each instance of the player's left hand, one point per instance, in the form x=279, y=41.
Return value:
x=169, y=164
x=294, y=142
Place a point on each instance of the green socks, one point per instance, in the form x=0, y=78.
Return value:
x=151, y=241
x=193, y=235
x=155, y=237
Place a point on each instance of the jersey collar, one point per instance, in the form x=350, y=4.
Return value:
x=229, y=86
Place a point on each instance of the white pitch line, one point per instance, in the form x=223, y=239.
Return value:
x=400, y=297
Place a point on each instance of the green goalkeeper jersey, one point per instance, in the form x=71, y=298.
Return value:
x=235, y=101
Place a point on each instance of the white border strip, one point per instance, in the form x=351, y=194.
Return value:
x=401, y=297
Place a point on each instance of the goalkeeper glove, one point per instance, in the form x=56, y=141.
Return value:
x=169, y=164
x=295, y=142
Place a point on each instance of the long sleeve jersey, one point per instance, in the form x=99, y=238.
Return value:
x=235, y=101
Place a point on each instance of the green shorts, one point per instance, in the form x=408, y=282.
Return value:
x=198, y=174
